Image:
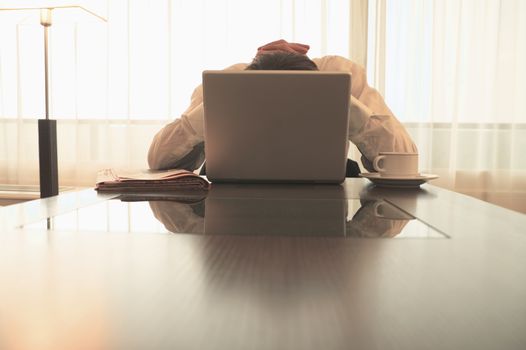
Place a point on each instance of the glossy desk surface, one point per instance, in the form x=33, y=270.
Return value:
x=263, y=267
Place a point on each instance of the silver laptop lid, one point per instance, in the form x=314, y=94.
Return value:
x=276, y=126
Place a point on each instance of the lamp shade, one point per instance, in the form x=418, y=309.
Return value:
x=69, y=11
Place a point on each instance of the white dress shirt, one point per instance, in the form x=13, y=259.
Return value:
x=372, y=126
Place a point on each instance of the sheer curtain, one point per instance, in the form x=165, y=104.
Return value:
x=453, y=71
x=114, y=85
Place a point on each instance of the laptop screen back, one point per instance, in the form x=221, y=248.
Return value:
x=276, y=126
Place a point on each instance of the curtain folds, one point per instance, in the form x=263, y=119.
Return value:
x=452, y=71
x=114, y=85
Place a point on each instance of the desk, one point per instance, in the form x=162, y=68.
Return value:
x=284, y=267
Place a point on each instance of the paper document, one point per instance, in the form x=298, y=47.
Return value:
x=148, y=180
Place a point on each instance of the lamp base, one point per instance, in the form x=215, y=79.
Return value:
x=47, y=152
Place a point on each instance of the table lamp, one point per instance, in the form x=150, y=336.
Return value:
x=47, y=128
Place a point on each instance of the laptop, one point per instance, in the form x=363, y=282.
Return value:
x=276, y=126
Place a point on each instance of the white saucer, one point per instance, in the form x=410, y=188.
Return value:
x=398, y=181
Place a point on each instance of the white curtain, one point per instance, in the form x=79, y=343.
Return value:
x=114, y=84
x=453, y=71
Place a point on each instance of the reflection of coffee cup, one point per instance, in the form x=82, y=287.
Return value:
x=386, y=210
x=377, y=218
x=396, y=164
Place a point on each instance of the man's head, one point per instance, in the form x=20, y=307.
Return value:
x=281, y=60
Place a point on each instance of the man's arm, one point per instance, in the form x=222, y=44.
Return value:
x=176, y=144
x=180, y=144
x=180, y=217
x=372, y=126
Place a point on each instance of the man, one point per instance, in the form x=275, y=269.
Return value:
x=372, y=126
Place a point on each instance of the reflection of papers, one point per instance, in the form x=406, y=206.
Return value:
x=188, y=197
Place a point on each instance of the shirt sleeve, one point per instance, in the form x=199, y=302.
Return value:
x=180, y=217
x=180, y=144
x=373, y=128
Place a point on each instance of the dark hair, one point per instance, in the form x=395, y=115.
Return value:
x=281, y=60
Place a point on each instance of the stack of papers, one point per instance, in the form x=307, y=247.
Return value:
x=110, y=180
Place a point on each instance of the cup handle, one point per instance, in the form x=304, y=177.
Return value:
x=377, y=209
x=376, y=164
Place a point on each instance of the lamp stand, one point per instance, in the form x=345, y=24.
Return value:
x=47, y=154
x=47, y=128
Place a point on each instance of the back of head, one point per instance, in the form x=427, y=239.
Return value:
x=281, y=60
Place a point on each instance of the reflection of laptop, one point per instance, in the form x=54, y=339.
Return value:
x=276, y=126
x=262, y=209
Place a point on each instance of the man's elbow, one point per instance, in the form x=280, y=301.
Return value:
x=154, y=161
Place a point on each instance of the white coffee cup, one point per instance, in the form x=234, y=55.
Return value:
x=392, y=164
